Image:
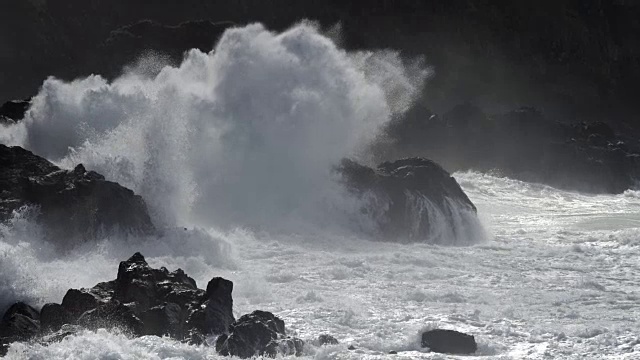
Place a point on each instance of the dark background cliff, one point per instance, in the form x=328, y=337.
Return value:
x=575, y=60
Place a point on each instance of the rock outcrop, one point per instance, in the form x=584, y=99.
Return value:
x=412, y=199
x=75, y=205
x=521, y=144
x=449, y=342
x=258, y=334
x=141, y=301
x=147, y=301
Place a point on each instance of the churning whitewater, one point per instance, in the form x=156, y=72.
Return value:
x=233, y=152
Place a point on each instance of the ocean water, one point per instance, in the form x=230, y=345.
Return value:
x=232, y=150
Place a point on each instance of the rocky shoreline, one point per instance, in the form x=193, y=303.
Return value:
x=76, y=206
x=143, y=301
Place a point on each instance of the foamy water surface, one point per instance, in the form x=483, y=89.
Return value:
x=233, y=150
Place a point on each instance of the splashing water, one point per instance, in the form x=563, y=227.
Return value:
x=244, y=135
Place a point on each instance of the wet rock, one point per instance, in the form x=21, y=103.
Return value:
x=449, y=342
x=165, y=319
x=74, y=206
x=77, y=301
x=351, y=347
x=148, y=301
x=326, y=339
x=113, y=314
x=145, y=301
x=54, y=316
x=393, y=352
x=57, y=336
x=408, y=198
x=23, y=309
x=285, y=347
x=219, y=304
x=20, y=322
x=257, y=334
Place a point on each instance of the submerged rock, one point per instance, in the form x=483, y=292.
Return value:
x=412, y=199
x=449, y=342
x=326, y=339
x=258, y=334
x=74, y=206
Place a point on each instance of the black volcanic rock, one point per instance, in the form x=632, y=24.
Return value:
x=53, y=316
x=141, y=301
x=218, y=310
x=148, y=301
x=449, y=342
x=13, y=111
x=258, y=334
x=164, y=319
x=326, y=339
x=113, y=314
x=74, y=206
x=20, y=322
x=521, y=144
x=404, y=197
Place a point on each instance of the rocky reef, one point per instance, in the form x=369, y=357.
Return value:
x=147, y=301
x=143, y=301
x=73, y=205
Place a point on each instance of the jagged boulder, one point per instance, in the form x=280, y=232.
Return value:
x=148, y=301
x=449, y=342
x=74, y=206
x=412, y=199
x=141, y=301
x=258, y=334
